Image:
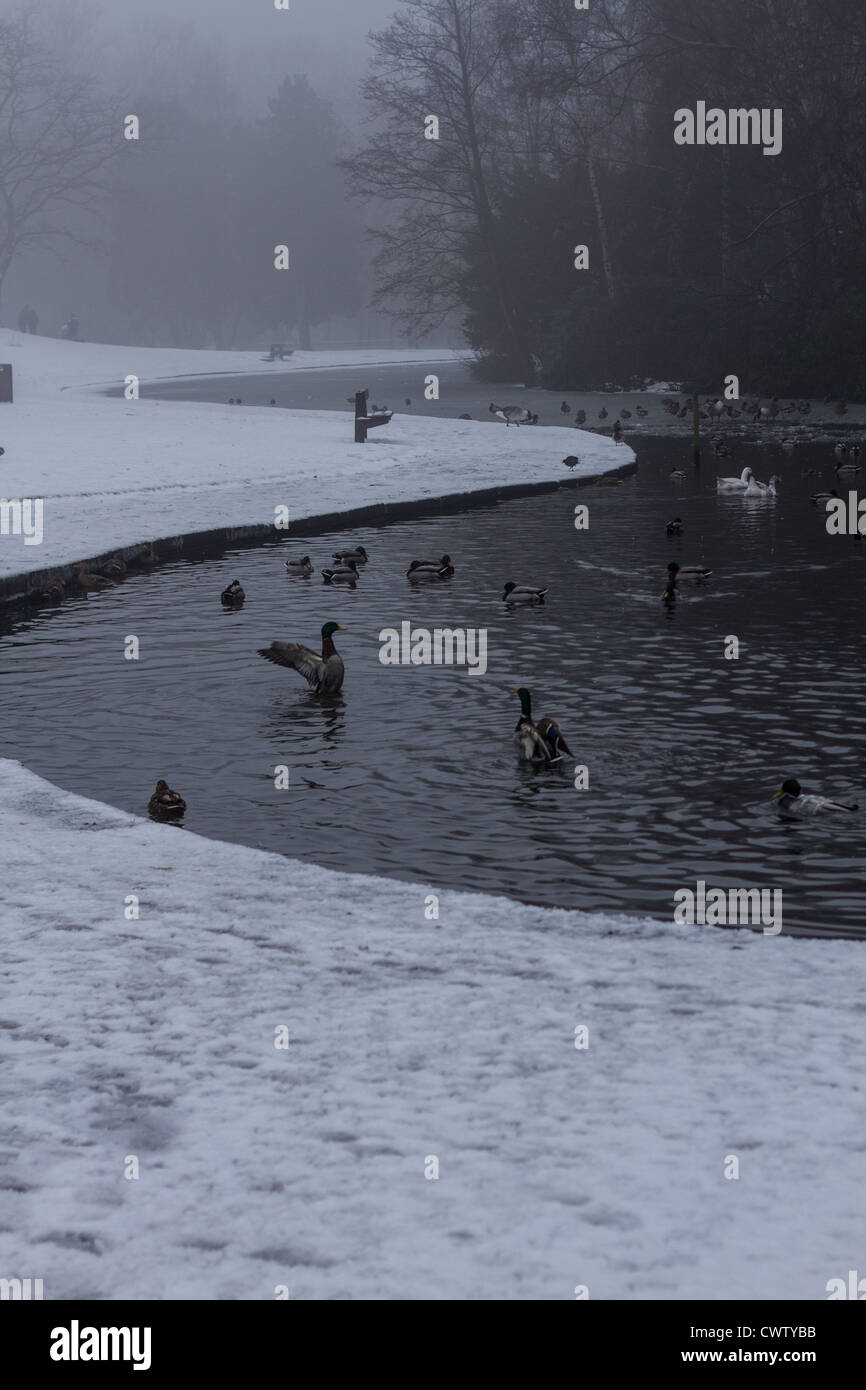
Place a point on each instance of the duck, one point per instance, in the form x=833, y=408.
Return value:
x=847, y=470
x=115, y=567
x=840, y=450
x=53, y=591
x=359, y=555
x=823, y=496
x=565, y=408
x=642, y=412
x=793, y=801
x=421, y=573
x=571, y=461
x=617, y=432
x=513, y=414
x=444, y=562
x=165, y=803
x=148, y=557
x=344, y=574
x=690, y=574
x=735, y=484
x=678, y=474
x=580, y=417
x=541, y=742
x=602, y=414
x=675, y=527
x=303, y=566
x=323, y=674
x=522, y=593
x=810, y=473
x=608, y=480
x=233, y=594
x=670, y=595
x=624, y=415
x=91, y=583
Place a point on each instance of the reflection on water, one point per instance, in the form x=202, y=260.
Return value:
x=411, y=771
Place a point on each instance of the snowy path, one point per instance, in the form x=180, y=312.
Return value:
x=409, y=1038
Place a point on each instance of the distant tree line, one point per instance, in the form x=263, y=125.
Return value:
x=556, y=129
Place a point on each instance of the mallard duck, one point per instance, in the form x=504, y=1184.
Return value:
x=232, y=595
x=602, y=414
x=641, y=411
x=93, y=582
x=690, y=574
x=147, y=557
x=735, y=484
x=541, y=742
x=565, y=408
x=522, y=593
x=420, y=572
x=303, y=566
x=580, y=417
x=670, y=595
x=617, y=432
x=359, y=555
x=823, y=496
x=53, y=591
x=115, y=567
x=847, y=470
x=572, y=461
x=323, y=674
x=675, y=527
x=793, y=801
x=344, y=574
x=608, y=480
x=165, y=803
x=679, y=475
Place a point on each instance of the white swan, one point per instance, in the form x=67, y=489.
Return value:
x=735, y=484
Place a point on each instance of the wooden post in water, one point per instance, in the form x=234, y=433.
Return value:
x=696, y=422
x=360, y=417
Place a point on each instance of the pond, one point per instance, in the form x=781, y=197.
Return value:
x=411, y=772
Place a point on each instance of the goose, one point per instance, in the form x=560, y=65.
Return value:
x=541, y=742
x=522, y=593
x=303, y=566
x=166, y=804
x=759, y=489
x=690, y=574
x=793, y=801
x=735, y=484
x=344, y=574
x=233, y=594
x=359, y=555
x=675, y=527
x=323, y=674
x=512, y=414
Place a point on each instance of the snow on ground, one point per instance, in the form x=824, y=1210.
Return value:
x=114, y=472
x=153, y=1038
x=409, y=1039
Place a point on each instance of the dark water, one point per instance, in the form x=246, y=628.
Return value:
x=412, y=773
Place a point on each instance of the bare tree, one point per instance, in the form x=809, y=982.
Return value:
x=57, y=135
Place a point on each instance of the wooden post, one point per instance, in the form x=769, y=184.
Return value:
x=5, y=381
x=696, y=420
x=360, y=416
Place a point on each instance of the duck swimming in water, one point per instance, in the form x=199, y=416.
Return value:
x=323, y=674
x=541, y=742
x=232, y=595
x=344, y=574
x=166, y=804
x=303, y=566
x=522, y=593
x=793, y=801
x=690, y=574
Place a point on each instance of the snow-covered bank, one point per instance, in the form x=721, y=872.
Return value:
x=114, y=472
x=409, y=1038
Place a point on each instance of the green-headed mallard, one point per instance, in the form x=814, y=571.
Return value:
x=541, y=742
x=522, y=593
x=419, y=570
x=303, y=566
x=166, y=804
x=323, y=674
x=233, y=595
x=793, y=801
x=343, y=574
x=690, y=574
x=359, y=555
